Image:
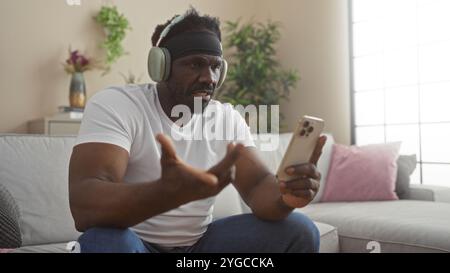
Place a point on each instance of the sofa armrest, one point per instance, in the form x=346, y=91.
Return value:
x=430, y=193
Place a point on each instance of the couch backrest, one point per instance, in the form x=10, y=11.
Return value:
x=35, y=170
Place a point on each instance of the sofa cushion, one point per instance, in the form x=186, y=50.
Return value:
x=329, y=240
x=398, y=226
x=406, y=166
x=10, y=236
x=35, y=170
x=46, y=248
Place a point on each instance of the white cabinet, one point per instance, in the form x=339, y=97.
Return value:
x=56, y=125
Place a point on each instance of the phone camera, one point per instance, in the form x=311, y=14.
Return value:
x=305, y=124
x=310, y=129
x=302, y=132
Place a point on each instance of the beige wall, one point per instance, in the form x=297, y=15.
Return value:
x=36, y=34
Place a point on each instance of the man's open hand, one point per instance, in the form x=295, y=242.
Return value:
x=188, y=183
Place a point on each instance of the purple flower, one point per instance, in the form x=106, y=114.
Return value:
x=83, y=61
x=77, y=62
x=74, y=56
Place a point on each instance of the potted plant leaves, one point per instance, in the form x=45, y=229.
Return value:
x=254, y=74
x=115, y=26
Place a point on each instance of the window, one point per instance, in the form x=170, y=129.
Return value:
x=400, y=59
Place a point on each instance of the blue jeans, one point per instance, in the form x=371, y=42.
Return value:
x=235, y=234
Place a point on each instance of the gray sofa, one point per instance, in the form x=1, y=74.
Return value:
x=34, y=170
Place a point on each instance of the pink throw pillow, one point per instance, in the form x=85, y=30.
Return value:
x=364, y=173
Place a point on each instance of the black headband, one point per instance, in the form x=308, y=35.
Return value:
x=188, y=43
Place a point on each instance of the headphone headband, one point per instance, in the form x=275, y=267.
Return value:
x=194, y=42
x=166, y=30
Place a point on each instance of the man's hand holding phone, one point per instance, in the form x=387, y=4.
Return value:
x=297, y=173
x=298, y=192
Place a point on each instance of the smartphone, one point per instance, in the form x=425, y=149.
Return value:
x=301, y=146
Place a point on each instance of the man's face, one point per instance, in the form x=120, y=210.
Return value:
x=194, y=76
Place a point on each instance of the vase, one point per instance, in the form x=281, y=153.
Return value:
x=77, y=95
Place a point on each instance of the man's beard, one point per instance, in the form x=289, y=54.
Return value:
x=203, y=93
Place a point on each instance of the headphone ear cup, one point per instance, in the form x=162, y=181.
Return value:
x=168, y=62
x=158, y=64
x=223, y=73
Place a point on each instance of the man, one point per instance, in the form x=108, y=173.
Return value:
x=132, y=189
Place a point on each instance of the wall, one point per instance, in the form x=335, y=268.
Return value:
x=36, y=35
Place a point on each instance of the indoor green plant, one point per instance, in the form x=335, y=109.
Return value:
x=254, y=74
x=115, y=26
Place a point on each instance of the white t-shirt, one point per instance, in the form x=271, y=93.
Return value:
x=130, y=117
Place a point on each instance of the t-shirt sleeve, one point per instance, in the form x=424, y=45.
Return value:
x=243, y=134
x=108, y=118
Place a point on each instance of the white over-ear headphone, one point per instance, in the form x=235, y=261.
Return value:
x=159, y=59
